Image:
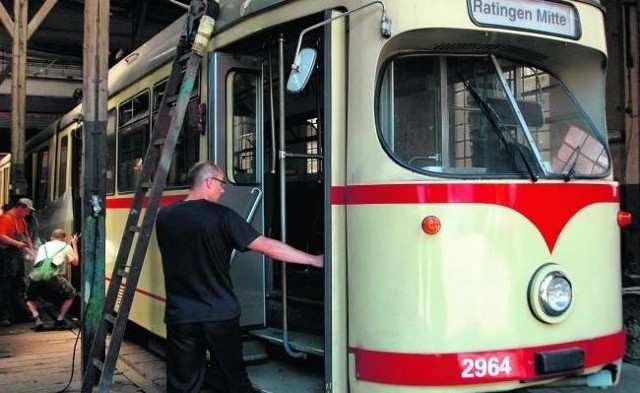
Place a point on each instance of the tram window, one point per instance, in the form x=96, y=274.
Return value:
x=62, y=165
x=158, y=91
x=302, y=137
x=244, y=122
x=42, y=177
x=312, y=146
x=582, y=152
x=186, y=151
x=111, y=152
x=133, y=140
x=158, y=95
x=188, y=144
x=134, y=109
x=4, y=186
x=410, y=110
x=132, y=146
x=456, y=115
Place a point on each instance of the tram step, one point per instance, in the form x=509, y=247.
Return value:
x=301, y=342
x=253, y=350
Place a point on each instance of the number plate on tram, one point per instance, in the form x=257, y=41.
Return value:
x=486, y=366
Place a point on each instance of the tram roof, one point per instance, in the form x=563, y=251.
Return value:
x=57, y=46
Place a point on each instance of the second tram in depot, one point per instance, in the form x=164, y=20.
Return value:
x=5, y=167
x=449, y=159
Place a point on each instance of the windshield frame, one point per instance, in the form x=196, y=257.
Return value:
x=539, y=168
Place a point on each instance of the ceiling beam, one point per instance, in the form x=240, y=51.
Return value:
x=39, y=17
x=6, y=20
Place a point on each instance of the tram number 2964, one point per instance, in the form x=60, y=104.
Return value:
x=483, y=367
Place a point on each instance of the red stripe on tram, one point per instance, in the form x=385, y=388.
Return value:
x=127, y=202
x=142, y=292
x=444, y=369
x=549, y=206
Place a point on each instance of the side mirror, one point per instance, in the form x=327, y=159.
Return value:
x=301, y=70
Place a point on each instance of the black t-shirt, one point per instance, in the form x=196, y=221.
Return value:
x=196, y=239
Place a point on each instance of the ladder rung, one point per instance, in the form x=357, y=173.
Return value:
x=171, y=99
x=123, y=273
x=134, y=228
x=97, y=363
x=110, y=318
x=184, y=57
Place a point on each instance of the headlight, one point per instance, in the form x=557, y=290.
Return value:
x=550, y=293
x=555, y=294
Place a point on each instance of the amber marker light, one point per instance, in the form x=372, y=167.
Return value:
x=624, y=218
x=431, y=225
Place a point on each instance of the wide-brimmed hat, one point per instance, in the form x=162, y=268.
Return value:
x=26, y=202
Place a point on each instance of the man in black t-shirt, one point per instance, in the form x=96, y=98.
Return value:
x=196, y=239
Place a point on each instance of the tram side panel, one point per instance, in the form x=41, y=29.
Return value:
x=133, y=114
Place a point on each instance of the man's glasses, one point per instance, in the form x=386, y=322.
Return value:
x=215, y=178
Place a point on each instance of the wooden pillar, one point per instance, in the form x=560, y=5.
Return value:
x=94, y=108
x=18, y=97
x=20, y=32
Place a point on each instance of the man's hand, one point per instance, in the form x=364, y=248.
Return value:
x=318, y=260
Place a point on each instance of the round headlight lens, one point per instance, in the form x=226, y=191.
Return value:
x=555, y=294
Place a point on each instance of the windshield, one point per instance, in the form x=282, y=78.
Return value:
x=481, y=116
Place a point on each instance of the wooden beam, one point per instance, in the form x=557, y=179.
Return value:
x=39, y=17
x=18, y=97
x=94, y=108
x=21, y=31
x=6, y=20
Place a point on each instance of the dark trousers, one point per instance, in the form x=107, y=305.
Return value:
x=12, y=285
x=186, y=357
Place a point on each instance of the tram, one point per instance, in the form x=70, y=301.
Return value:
x=5, y=179
x=450, y=161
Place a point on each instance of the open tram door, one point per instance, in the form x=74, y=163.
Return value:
x=277, y=174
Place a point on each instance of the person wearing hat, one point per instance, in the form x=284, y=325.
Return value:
x=14, y=242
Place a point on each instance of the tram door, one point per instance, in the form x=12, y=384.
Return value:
x=235, y=101
x=289, y=206
x=271, y=142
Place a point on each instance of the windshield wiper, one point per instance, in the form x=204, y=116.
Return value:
x=496, y=123
x=572, y=169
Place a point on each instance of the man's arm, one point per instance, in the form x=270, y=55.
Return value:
x=75, y=260
x=9, y=241
x=283, y=252
x=29, y=243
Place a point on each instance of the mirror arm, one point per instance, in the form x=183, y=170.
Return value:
x=385, y=28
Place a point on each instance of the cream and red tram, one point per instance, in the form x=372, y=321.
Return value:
x=450, y=161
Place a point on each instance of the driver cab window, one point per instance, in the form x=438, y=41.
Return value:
x=243, y=120
x=480, y=116
x=410, y=110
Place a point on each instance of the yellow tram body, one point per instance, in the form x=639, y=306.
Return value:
x=433, y=270
x=5, y=179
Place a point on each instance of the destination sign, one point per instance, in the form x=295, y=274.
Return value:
x=548, y=17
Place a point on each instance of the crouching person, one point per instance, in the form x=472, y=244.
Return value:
x=52, y=285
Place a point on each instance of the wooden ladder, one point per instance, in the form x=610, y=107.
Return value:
x=157, y=161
